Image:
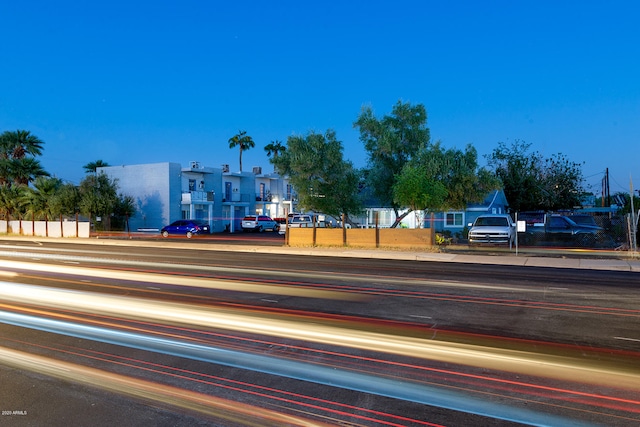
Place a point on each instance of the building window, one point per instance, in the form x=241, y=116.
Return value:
x=192, y=185
x=454, y=219
x=227, y=191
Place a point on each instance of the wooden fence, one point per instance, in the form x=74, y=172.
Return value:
x=403, y=238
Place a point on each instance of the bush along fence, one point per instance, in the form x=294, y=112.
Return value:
x=45, y=228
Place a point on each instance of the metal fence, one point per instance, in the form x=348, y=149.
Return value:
x=614, y=233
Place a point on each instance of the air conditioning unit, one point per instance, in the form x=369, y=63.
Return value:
x=225, y=168
x=195, y=165
x=257, y=170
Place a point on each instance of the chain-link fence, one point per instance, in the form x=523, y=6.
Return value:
x=582, y=230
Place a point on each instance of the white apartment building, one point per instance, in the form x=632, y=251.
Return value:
x=166, y=192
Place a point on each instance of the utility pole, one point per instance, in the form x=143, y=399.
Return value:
x=605, y=189
x=634, y=221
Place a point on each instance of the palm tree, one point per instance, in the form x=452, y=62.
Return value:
x=274, y=148
x=17, y=157
x=26, y=170
x=20, y=143
x=12, y=201
x=38, y=199
x=92, y=167
x=126, y=207
x=243, y=141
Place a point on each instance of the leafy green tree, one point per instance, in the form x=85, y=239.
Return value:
x=26, y=170
x=324, y=181
x=465, y=181
x=66, y=201
x=38, y=198
x=391, y=142
x=243, y=142
x=417, y=190
x=532, y=182
x=125, y=208
x=98, y=196
x=92, y=167
x=439, y=179
x=18, y=164
x=20, y=144
x=399, y=150
x=562, y=182
x=12, y=201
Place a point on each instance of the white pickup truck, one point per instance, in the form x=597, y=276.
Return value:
x=296, y=221
x=492, y=229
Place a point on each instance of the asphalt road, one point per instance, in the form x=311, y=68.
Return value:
x=99, y=335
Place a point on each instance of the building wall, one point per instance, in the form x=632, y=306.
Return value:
x=156, y=189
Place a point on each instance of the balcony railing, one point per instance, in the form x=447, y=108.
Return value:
x=197, y=196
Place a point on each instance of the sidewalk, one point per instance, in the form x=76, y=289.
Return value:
x=580, y=260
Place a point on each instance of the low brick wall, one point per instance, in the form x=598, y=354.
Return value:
x=361, y=237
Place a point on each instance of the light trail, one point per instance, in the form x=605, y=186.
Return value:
x=164, y=279
x=331, y=376
x=168, y=396
x=280, y=396
x=466, y=382
x=279, y=274
x=336, y=292
x=331, y=333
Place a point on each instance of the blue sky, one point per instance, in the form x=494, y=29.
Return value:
x=133, y=82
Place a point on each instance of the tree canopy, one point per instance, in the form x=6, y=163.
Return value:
x=92, y=167
x=391, y=142
x=273, y=150
x=324, y=181
x=407, y=171
x=243, y=142
x=18, y=163
x=532, y=182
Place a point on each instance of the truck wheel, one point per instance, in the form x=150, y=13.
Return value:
x=586, y=240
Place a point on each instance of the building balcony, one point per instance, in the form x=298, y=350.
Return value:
x=237, y=198
x=197, y=197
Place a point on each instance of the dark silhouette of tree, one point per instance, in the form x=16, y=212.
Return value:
x=18, y=164
x=92, y=167
x=531, y=182
x=243, y=142
x=274, y=149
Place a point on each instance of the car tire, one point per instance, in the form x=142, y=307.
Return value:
x=586, y=240
x=276, y=228
x=165, y=234
x=189, y=234
x=259, y=229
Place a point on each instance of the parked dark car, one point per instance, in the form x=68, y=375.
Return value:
x=563, y=230
x=186, y=227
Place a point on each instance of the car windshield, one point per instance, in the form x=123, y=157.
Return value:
x=301, y=219
x=486, y=221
